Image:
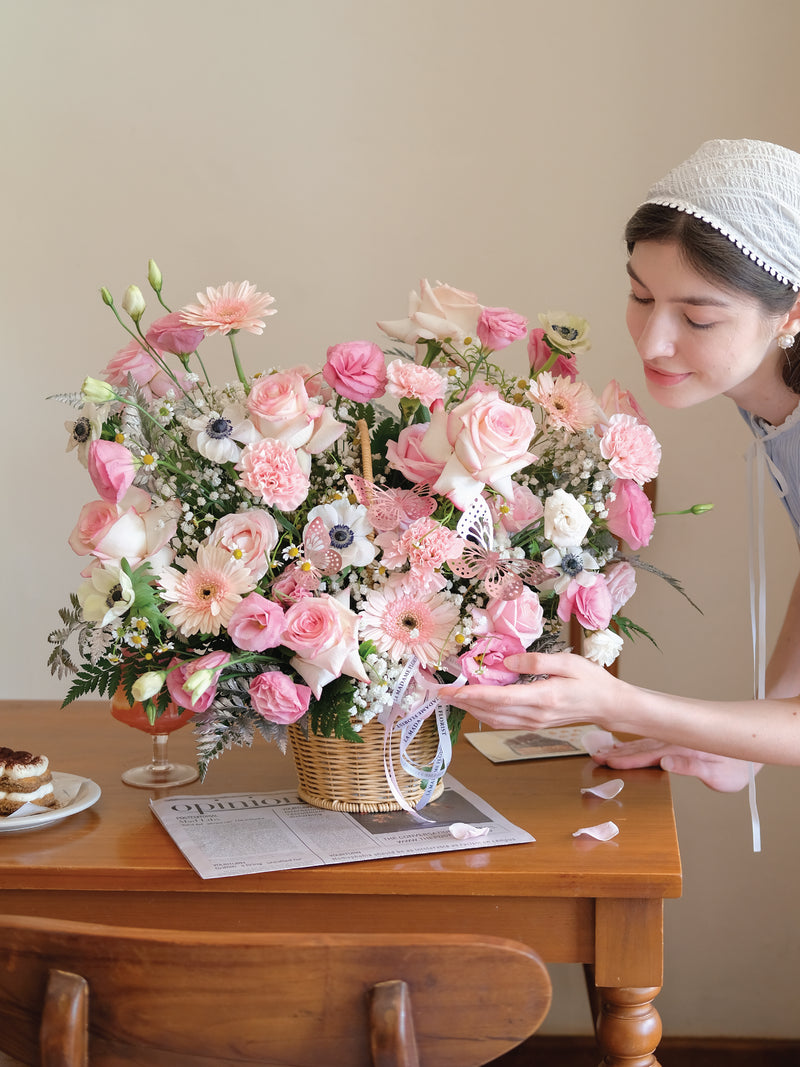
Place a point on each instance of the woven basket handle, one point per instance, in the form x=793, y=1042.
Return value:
x=366, y=449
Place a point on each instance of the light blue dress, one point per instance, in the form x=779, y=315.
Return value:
x=782, y=448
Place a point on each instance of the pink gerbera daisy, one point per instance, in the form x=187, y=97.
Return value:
x=404, y=624
x=205, y=595
x=571, y=405
x=233, y=307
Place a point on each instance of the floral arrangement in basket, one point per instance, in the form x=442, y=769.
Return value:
x=327, y=545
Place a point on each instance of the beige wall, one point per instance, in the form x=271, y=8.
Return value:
x=335, y=152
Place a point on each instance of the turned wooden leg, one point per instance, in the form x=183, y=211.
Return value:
x=628, y=1027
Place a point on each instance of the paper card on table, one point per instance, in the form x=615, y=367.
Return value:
x=251, y=833
x=503, y=746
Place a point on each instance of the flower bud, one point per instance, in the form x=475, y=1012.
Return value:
x=154, y=276
x=96, y=391
x=108, y=299
x=133, y=302
x=198, y=682
x=147, y=685
x=698, y=509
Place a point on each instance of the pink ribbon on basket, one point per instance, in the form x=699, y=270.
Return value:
x=409, y=725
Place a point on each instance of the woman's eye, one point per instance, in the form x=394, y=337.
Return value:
x=640, y=299
x=699, y=325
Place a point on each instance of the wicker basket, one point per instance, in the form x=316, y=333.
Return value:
x=346, y=776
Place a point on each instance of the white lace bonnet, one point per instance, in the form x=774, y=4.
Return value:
x=750, y=192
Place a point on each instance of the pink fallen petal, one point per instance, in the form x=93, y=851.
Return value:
x=462, y=831
x=606, y=790
x=604, y=831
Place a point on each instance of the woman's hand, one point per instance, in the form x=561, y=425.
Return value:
x=566, y=689
x=723, y=773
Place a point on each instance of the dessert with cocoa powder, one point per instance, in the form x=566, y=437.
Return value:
x=24, y=779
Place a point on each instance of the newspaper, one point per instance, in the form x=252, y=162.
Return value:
x=249, y=833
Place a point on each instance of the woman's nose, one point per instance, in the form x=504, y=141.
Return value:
x=656, y=340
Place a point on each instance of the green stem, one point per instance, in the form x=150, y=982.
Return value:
x=237, y=363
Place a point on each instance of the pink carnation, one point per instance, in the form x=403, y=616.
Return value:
x=277, y=698
x=270, y=470
x=256, y=624
x=500, y=327
x=356, y=370
x=630, y=515
x=631, y=449
x=406, y=379
x=425, y=545
x=540, y=354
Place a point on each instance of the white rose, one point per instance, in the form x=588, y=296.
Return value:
x=565, y=521
x=436, y=312
x=602, y=647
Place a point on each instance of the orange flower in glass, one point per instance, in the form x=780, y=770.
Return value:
x=228, y=309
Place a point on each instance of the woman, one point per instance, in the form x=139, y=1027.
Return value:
x=714, y=265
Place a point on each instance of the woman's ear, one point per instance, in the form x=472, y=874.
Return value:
x=791, y=323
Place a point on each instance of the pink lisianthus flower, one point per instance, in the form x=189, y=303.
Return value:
x=289, y=587
x=540, y=354
x=181, y=671
x=130, y=529
x=618, y=401
x=499, y=327
x=229, y=308
x=630, y=514
x=631, y=449
x=356, y=370
x=435, y=314
x=407, y=456
x=249, y=536
x=621, y=581
x=280, y=408
x=271, y=470
x=407, y=379
x=324, y=635
x=484, y=663
x=514, y=515
x=111, y=469
x=171, y=334
x=256, y=623
x=278, y=699
x=481, y=441
x=590, y=604
x=152, y=380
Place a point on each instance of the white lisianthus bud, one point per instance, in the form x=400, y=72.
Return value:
x=147, y=685
x=133, y=302
x=196, y=684
x=602, y=647
x=154, y=276
x=108, y=299
x=96, y=391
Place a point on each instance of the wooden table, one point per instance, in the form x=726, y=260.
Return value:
x=573, y=899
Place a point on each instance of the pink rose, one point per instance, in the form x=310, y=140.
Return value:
x=356, y=370
x=249, y=535
x=590, y=604
x=630, y=515
x=514, y=515
x=631, y=449
x=500, y=327
x=129, y=529
x=540, y=354
x=111, y=469
x=437, y=312
x=177, y=677
x=484, y=663
x=481, y=441
x=140, y=365
x=621, y=581
x=256, y=623
x=406, y=379
x=171, y=334
x=271, y=470
x=324, y=634
x=522, y=617
x=406, y=456
x=288, y=589
x=279, y=407
x=278, y=699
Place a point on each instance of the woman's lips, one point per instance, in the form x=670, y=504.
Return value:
x=658, y=377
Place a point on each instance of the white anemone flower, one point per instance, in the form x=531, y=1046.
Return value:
x=349, y=528
x=574, y=564
x=86, y=428
x=216, y=434
x=107, y=595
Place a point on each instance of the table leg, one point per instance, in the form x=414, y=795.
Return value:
x=628, y=1027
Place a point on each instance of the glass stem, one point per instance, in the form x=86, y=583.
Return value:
x=160, y=761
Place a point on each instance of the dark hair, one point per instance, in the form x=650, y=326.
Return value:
x=718, y=259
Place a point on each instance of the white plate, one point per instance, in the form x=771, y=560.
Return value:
x=82, y=793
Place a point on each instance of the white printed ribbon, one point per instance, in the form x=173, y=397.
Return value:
x=409, y=725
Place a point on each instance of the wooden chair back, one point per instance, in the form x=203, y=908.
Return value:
x=185, y=999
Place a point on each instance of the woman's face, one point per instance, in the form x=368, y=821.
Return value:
x=695, y=339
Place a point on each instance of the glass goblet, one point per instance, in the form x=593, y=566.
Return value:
x=159, y=773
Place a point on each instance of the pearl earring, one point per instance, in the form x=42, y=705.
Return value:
x=786, y=340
